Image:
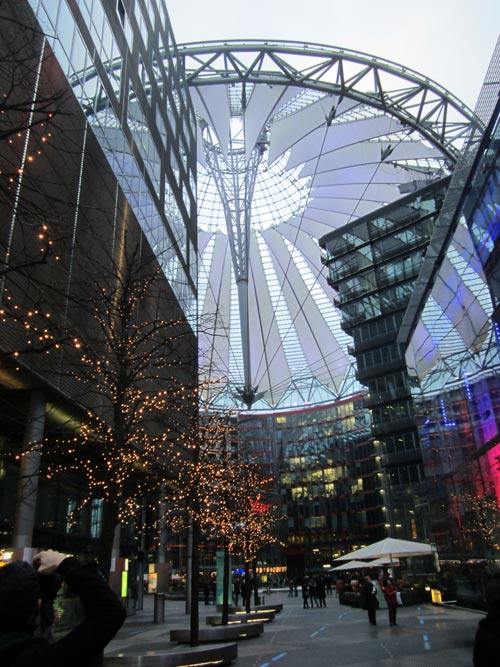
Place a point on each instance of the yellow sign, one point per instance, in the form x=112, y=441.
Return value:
x=436, y=596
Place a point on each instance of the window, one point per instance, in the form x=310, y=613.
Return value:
x=72, y=516
x=96, y=518
x=121, y=11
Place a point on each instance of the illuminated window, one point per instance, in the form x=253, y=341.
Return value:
x=96, y=518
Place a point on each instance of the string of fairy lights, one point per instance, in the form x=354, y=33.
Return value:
x=480, y=518
x=27, y=130
x=219, y=490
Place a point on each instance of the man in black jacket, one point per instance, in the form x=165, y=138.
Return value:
x=19, y=602
x=487, y=641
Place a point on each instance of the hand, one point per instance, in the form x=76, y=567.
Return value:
x=48, y=561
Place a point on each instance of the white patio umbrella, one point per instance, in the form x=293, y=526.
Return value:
x=392, y=548
x=386, y=560
x=351, y=565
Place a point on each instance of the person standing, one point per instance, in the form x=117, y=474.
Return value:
x=206, y=590
x=487, y=640
x=339, y=587
x=313, y=593
x=236, y=590
x=369, y=593
x=328, y=584
x=321, y=591
x=104, y=614
x=305, y=593
x=212, y=584
x=390, y=593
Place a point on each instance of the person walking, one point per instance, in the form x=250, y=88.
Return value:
x=20, y=588
x=369, y=594
x=390, y=593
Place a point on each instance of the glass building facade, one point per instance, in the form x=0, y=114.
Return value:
x=458, y=434
x=326, y=475
x=481, y=208
x=97, y=182
x=373, y=264
x=119, y=59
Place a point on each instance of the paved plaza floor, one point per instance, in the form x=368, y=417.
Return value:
x=323, y=637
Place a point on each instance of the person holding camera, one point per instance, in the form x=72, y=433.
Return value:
x=22, y=589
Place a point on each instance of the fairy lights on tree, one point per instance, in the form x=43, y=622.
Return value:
x=482, y=519
x=134, y=371
x=219, y=491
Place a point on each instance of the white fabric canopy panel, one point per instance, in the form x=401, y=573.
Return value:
x=456, y=320
x=284, y=164
x=351, y=565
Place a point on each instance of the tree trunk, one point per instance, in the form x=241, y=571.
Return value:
x=109, y=546
x=225, y=596
x=248, y=587
x=255, y=582
x=195, y=585
x=141, y=558
x=189, y=568
x=162, y=566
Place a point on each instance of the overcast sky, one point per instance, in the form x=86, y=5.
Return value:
x=450, y=41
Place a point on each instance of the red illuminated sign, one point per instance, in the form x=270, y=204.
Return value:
x=257, y=506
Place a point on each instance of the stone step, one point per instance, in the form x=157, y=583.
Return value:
x=219, y=633
x=252, y=617
x=216, y=655
x=277, y=608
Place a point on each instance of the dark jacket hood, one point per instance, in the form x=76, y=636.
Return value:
x=12, y=644
x=491, y=622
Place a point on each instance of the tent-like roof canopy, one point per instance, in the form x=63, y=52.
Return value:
x=391, y=547
x=295, y=140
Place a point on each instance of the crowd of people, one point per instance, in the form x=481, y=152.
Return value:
x=241, y=587
x=314, y=590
